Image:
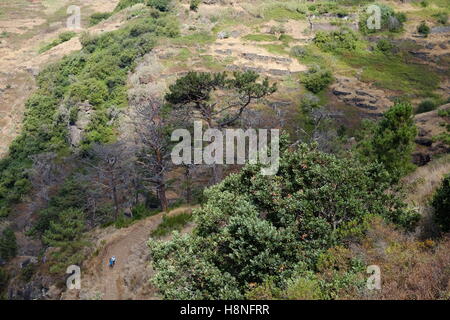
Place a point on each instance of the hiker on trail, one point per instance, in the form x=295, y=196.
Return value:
x=112, y=261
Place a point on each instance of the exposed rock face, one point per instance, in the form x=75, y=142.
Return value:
x=76, y=130
x=441, y=29
x=430, y=126
x=359, y=94
x=427, y=142
x=420, y=158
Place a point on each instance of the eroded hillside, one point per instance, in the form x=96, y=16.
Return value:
x=85, y=90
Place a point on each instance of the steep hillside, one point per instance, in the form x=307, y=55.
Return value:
x=86, y=169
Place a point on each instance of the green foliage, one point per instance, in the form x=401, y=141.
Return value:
x=392, y=140
x=65, y=233
x=97, y=74
x=161, y=5
x=8, y=245
x=336, y=41
x=394, y=72
x=187, y=275
x=71, y=195
x=195, y=91
x=260, y=37
x=171, y=223
x=316, y=79
x=127, y=3
x=63, y=37
x=441, y=205
x=441, y=17
x=298, y=51
x=423, y=29
x=98, y=17
x=67, y=228
x=27, y=272
x=444, y=113
x=384, y=45
x=253, y=228
x=304, y=288
x=426, y=105
x=4, y=278
x=193, y=5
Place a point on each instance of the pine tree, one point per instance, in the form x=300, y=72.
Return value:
x=8, y=245
x=392, y=141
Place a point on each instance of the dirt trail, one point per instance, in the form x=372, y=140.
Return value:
x=129, y=277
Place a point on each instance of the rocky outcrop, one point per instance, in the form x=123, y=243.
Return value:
x=354, y=92
x=84, y=114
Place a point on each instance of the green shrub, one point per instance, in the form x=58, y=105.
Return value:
x=441, y=17
x=255, y=227
x=127, y=3
x=316, y=79
x=384, y=45
x=171, y=223
x=193, y=5
x=63, y=37
x=8, y=245
x=336, y=41
x=299, y=51
x=426, y=105
x=4, y=278
x=161, y=5
x=441, y=205
x=304, y=288
x=98, y=17
x=392, y=140
x=66, y=234
x=423, y=29
x=444, y=113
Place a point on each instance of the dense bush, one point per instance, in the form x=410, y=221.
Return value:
x=441, y=17
x=253, y=228
x=299, y=51
x=8, y=245
x=98, y=17
x=336, y=41
x=193, y=5
x=4, y=278
x=127, y=3
x=65, y=233
x=425, y=106
x=391, y=141
x=161, y=5
x=63, y=37
x=384, y=45
x=423, y=29
x=170, y=223
x=316, y=79
x=441, y=205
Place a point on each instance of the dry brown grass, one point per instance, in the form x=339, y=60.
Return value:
x=410, y=269
x=422, y=183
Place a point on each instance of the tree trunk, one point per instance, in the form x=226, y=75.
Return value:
x=161, y=191
x=116, y=201
x=187, y=174
x=217, y=172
